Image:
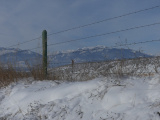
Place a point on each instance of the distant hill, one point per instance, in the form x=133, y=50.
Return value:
x=100, y=53
x=20, y=57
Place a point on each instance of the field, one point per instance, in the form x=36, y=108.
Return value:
x=108, y=90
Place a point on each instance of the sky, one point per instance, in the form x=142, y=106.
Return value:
x=23, y=20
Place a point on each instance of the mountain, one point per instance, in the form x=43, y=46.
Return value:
x=18, y=57
x=93, y=54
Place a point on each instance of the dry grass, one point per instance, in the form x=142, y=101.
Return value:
x=10, y=75
x=85, y=71
x=118, y=68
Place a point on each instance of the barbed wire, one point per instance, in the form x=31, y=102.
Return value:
x=115, y=46
x=89, y=24
x=108, y=33
x=99, y=35
x=104, y=20
x=24, y=42
x=112, y=47
x=128, y=44
x=93, y=23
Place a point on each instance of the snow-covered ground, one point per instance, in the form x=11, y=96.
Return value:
x=99, y=99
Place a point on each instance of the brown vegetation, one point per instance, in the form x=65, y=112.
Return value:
x=84, y=71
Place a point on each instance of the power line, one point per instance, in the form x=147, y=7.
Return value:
x=104, y=20
x=86, y=25
x=115, y=46
x=107, y=60
x=24, y=42
x=142, y=42
x=95, y=61
x=111, y=33
x=99, y=35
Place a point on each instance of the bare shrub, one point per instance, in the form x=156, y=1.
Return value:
x=117, y=68
x=9, y=75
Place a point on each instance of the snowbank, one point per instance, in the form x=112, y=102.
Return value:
x=98, y=99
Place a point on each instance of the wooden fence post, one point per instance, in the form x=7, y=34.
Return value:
x=72, y=66
x=44, y=59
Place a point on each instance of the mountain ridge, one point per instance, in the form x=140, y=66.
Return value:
x=98, y=53
x=87, y=54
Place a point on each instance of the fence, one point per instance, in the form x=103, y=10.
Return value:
x=83, y=70
x=41, y=63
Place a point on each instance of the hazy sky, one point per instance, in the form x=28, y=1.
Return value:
x=23, y=20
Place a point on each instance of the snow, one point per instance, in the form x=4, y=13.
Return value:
x=131, y=98
x=82, y=50
x=2, y=52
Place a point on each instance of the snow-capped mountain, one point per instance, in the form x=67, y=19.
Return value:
x=92, y=54
x=18, y=57
x=100, y=53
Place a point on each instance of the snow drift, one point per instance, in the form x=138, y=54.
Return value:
x=99, y=99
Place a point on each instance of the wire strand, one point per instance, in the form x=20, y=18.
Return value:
x=99, y=35
x=89, y=24
x=24, y=42
x=104, y=20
